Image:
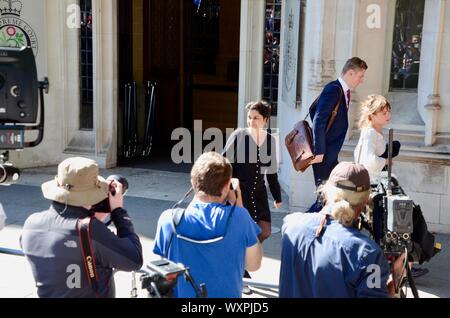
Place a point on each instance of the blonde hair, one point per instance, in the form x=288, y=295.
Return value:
x=371, y=106
x=343, y=202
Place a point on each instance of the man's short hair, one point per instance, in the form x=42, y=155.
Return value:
x=210, y=174
x=356, y=64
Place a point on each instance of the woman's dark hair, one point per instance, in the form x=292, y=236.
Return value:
x=262, y=107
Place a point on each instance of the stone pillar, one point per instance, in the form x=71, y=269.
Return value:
x=321, y=22
x=432, y=111
x=429, y=78
x=105, y=82
x=251, y=54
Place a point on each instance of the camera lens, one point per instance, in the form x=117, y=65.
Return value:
x=389, y=236
x=9, y=174
x=406, y=237
x=121, y=179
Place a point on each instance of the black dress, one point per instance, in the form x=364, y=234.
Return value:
x=250, y=164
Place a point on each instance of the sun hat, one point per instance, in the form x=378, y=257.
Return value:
x=77, y=184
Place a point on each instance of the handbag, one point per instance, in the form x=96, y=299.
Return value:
x=299, y=142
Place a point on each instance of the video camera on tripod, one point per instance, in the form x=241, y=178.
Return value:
x=397, y=224
x=20, y=96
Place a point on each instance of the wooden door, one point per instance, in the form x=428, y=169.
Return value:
x=163, y=62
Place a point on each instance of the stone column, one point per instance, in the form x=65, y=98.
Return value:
x=251, y=54
x=429, y=78
x=319, y=55
x=105, y=81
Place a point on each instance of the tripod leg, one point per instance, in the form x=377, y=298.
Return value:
x=411, y=282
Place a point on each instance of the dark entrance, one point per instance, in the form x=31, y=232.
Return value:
x=192, y=53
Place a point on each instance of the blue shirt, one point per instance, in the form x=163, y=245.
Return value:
x=219, y=265
x=341, y=263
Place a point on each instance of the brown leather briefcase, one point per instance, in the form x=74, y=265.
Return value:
x=299, y=142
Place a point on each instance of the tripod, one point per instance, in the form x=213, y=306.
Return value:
x=407, y=280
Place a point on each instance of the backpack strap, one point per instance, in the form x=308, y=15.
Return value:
x=177, y=216
x=84, y=234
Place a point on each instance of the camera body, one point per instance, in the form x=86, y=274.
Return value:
x=161, y=277
x=20, y=97
x=398, y=216
x=104, y=207
x=391, y=221
x=18, y=86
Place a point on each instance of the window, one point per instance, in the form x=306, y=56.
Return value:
x=409, y=16
x=86, y=67
x=272, y=53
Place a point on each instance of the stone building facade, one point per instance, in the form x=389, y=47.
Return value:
x=317, y=37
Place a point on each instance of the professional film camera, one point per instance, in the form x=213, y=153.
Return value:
x=160, y=278
x=397, y=224
x=20, y=95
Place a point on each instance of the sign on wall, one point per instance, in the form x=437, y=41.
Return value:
x=290, y=52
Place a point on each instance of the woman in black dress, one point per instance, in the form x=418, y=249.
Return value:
x=252, y=152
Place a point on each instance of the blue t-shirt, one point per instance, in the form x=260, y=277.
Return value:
x=341, y=263
x=220, y=265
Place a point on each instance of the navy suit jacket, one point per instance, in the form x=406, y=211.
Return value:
x=330, y=144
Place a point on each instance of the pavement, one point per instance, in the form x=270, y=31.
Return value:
x=151, y=192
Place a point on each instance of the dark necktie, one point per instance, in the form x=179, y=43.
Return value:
x=348, y=98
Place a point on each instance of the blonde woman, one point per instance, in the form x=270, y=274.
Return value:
x=324, y=255
x=371, y=150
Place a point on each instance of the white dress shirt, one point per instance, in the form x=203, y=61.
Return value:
x=345, y=88
x=370, y=147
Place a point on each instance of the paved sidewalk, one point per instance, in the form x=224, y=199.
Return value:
x=151, y=192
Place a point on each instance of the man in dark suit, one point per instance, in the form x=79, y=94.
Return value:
x=327, y=145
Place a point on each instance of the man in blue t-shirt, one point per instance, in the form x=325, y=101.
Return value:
x=215, y=240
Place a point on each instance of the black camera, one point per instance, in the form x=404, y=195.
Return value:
x=20, y=97
x=104, y=207
x=18, y=86
x=392, y=219
x=161, y=277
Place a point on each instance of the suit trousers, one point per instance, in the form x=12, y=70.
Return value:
x=322, y=172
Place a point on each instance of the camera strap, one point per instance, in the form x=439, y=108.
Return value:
x=84, y=233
